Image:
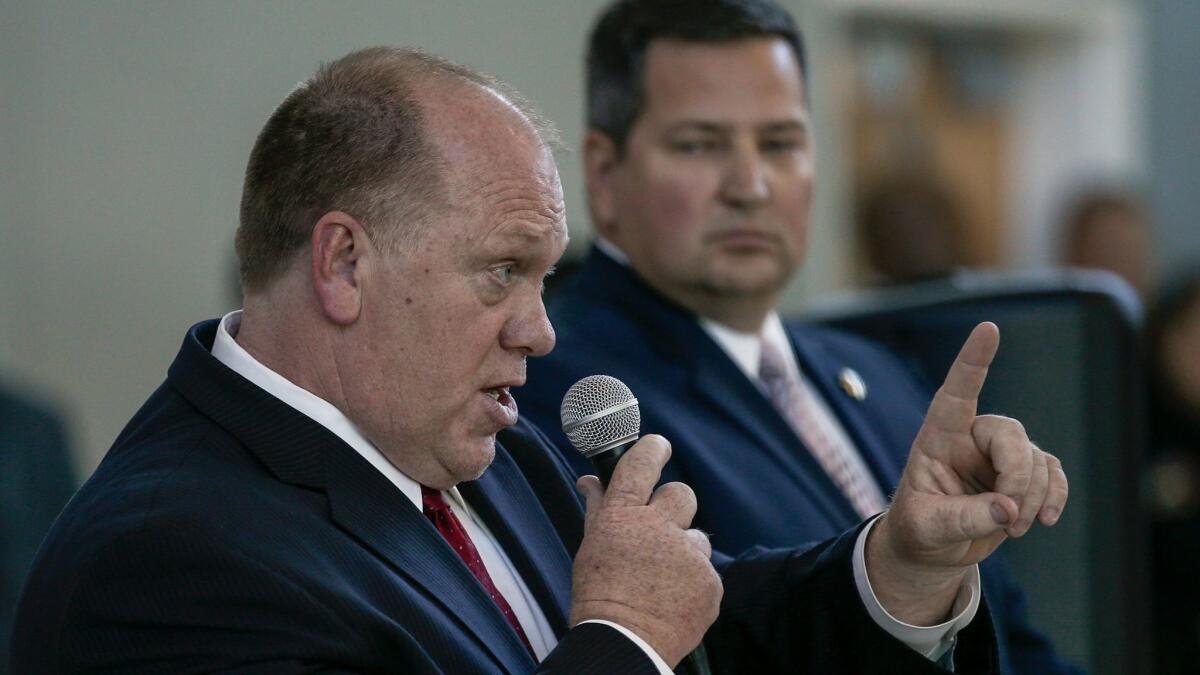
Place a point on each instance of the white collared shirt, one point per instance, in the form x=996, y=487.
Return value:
x=501, y=569
x=745, y=350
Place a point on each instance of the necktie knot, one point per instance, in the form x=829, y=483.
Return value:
x=432, y=501
x=774, y=376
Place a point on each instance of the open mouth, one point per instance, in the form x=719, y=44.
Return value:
x=504, y=410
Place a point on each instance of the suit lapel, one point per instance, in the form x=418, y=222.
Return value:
x=715, y=379
x=856, y=417
x=720, y=382
x=299, y=451
x=365, y=504
x=531, y=543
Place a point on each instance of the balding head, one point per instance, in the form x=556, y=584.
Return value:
x=400, y=215
x=365, y=136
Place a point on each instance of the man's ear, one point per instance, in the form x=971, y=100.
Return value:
x=340, y=246
x=600, y=161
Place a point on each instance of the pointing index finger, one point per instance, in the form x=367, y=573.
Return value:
x=954, y=405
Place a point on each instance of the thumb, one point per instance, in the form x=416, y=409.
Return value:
x=592, y=491
x=966, y=518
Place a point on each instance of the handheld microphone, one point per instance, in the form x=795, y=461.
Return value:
x=601, y=418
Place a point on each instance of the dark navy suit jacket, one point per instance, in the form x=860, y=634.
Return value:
x=756, y=483
x=224, y=531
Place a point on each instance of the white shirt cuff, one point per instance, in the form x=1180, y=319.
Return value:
x=662, y=666
x=933, y=641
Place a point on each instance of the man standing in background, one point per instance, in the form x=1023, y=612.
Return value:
x=699, y=168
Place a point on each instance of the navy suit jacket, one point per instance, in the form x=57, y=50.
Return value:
x=756, y=483
x=226, y=531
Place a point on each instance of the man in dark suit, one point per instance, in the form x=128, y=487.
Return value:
x=699, y=168
x=334, y=478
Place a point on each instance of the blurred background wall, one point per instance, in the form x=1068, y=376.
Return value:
x=124, y=128
x=1174, y=105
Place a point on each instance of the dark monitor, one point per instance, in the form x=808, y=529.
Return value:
x=1068, y=368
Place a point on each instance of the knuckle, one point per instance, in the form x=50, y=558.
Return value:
x=1006, y=426
x=1040, y=479
x=619, y=492
x=966, y=523
x=718, y=586
x=640, y=457
x=1020, y=477
x=1014, y=427
x=701, y=543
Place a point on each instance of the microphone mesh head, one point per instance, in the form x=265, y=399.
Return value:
x=599, y=412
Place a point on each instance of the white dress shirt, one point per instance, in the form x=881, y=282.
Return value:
x=508, y=581
x=745, y=350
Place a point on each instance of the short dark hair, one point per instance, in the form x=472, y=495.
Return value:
x=623, y=33
x=351, y=138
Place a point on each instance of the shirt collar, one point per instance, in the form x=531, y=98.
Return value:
x=610, y=249
x=229, y=352
x=745, y=349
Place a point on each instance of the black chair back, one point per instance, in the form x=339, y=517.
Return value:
x=1069, y=369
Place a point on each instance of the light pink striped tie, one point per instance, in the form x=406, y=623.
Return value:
x=795, y=402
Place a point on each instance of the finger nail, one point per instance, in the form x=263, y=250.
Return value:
x=1051, y=515
x=999, y=514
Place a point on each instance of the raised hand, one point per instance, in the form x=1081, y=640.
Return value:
x=639, y=565
x=970, y=483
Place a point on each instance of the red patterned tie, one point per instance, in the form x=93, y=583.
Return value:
x=451, y=528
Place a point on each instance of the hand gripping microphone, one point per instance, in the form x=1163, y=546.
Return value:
x=601, y=418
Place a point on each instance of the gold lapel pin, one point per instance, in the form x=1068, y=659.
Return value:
x=852, y=383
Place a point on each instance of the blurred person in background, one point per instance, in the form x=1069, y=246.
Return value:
x=35, y=482
x=1173, y=348
x=699, y=169
x=1109, y=229
x=910, y=230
